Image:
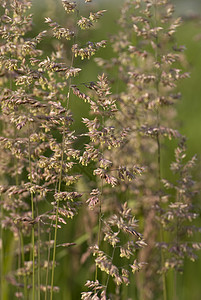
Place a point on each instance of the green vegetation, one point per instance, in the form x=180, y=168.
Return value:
x=98, y=192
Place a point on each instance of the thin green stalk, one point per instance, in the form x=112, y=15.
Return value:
x=47, y=271
x=59, y=188
x=60, y=179
x=159, y=153
x=175, y=286
x=177, y=242
x=39, y=269
x=32, y=215
x=99, y=230
x=100, y=215
x=1, y=254
x=108, y=277
x=19, y=237
x=33, y=253
x=159, y=184
x=162, y=263
x=54, y=251
x=1, y=244
x=72, y=61
x=56, y=222
x=19, y=261
x=23, y=260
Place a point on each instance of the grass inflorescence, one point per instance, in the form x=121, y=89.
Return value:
x=105, y=179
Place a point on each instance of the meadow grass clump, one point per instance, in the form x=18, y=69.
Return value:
x=39, y=160
x=149, y=65
x=53, y=176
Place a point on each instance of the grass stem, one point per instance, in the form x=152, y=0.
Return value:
x=23, y=260
x=158, y=75
x=32, y=215
x=39, y=268
x=56, y=221
x=1, y=255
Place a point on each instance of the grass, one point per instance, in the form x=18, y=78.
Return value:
x=82, y=183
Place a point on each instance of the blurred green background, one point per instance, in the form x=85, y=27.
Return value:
x=189, y=118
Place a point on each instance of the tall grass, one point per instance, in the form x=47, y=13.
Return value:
x=106, y=175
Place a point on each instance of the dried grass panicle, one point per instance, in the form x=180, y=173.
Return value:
x=147, y=63
x=37, y=143
x=104, y=139
x=46, y=179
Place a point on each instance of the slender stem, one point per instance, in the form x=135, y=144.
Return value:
x=100, y=215
x=39, y=269
x=32, y=212
x=1, y=244
x=72, y=61
x=108, y=277
x=162, y=263
x=159, y=185
x=19, y=259
x=99, y=230
x=19, y=237
x=57, y=214
x=47, y=271
x=159, y=152
x=177, y=245
x=2, y=254
x=33, y=257
x=54, y=251
x=60, y=179
x=23, y=260
x=48, y=258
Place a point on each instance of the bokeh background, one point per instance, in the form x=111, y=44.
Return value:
x=189, y=120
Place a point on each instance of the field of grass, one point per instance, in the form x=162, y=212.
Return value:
x=75, y=264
